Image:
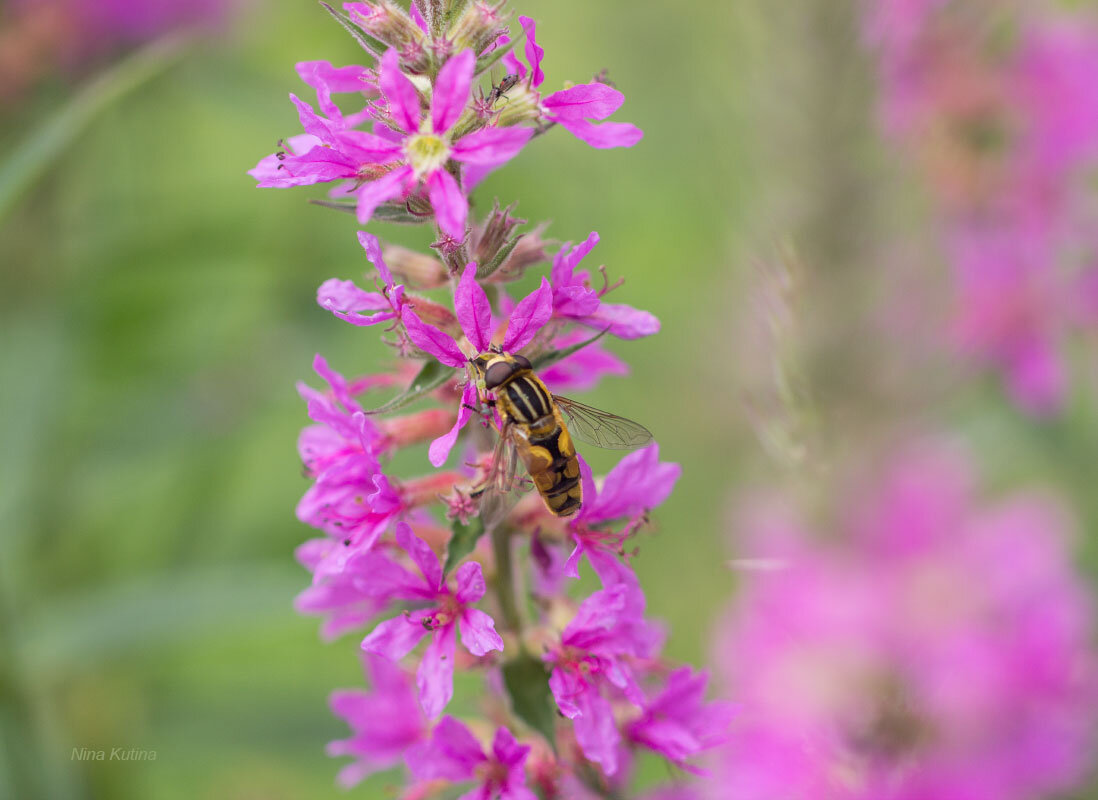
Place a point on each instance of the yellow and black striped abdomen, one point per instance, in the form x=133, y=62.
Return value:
x=543, y=442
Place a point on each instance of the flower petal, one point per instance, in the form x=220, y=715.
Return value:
x=473, y=309
x=491, y=147
x=596, y=732
x=435, y=676
x=441, y=447
x=345, y=300
x=313, y=123
x=534, y=52
x=431, y=340
x=372, y=247
x=452, y=91
x=623, y=321
x=470, y=583
x=638, y=482
x=421, y=553
x=528, y=317
x=453, y=753
x=449, y=202
x=400, y=92
x=604, y=136
x=394, y=638
x=586, y=101
x=478, y=632
x=374, y=193
x=568, y=258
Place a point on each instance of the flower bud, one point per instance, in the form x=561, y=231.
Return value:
x=478, y=26
x=528, y=251
x=419, y=427
x=434, y=313
x=388, y=22
x=417, y=270
x=489, y=238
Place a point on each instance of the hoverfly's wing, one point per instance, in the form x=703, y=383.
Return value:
x=602, y=428
x=504, y=484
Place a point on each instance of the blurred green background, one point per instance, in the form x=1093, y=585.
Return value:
x=156, y=311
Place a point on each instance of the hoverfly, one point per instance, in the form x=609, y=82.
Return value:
x=534, y=433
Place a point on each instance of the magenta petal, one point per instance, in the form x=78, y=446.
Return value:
x=478, y=632
x=566, y=689
x=449, y=202
x=568, y=258
x=470, y=583
x=431, y=340
x=313, y=123
x=453, y=753
x=596, y=731
x=351, y=78
x=528, y=317
x=372, y=247
x=491, y=147
x=534, y=52
x=400, y=92
x=571, y=566
x=345, y=300
x=435, y=676
x=604, y=136
x=638, y=482
x=441, y=447
x=394, y=638
x=586, y=101
x=421, y=553
x=374, y=193
x=452, y=91
x=623, y=321
x=510, y=61
x=473, y=309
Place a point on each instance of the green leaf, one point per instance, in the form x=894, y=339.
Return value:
x=432, y=376
x=389, y=212
x=553, y=356
x=365, y=40
x=527, y=682
x=462, y=542
x=33, y=156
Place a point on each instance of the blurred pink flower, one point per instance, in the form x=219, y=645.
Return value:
x=455, y=755
x=942, y=651
x=374, y=746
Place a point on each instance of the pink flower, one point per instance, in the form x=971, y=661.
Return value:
x=385, y=722
x=474, y=314
x=678, y=723
x=454, y=754
x=351, y=498
x=944, y=650
x=575, y=300
x=412, y=154
x=637, y=484
x=592, y=660
x=449, y=611
x=359, y=307
x=576, y=109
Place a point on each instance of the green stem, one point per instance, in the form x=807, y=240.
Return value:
x=505, y=578
x=33, y=157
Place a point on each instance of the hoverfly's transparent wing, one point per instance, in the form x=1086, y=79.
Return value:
x=504, y=484
x=602, y=428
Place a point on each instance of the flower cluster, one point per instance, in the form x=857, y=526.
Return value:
x=574, y=689
x=940, y=648
x=1005, y=130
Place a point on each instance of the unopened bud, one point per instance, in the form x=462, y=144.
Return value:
x=388, y=22
x=478, y=26
x=434, y=313
x=419, y=427
x=490, y=237
x=417, y=270
x=528, y=251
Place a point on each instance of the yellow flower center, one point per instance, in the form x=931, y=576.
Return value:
x=426, y=152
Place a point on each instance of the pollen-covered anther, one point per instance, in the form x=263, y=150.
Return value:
x=426, y=152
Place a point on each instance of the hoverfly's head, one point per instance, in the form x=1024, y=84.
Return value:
x=497, y=368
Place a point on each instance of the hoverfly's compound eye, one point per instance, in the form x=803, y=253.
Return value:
x=497, y=374
x=523, y=362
